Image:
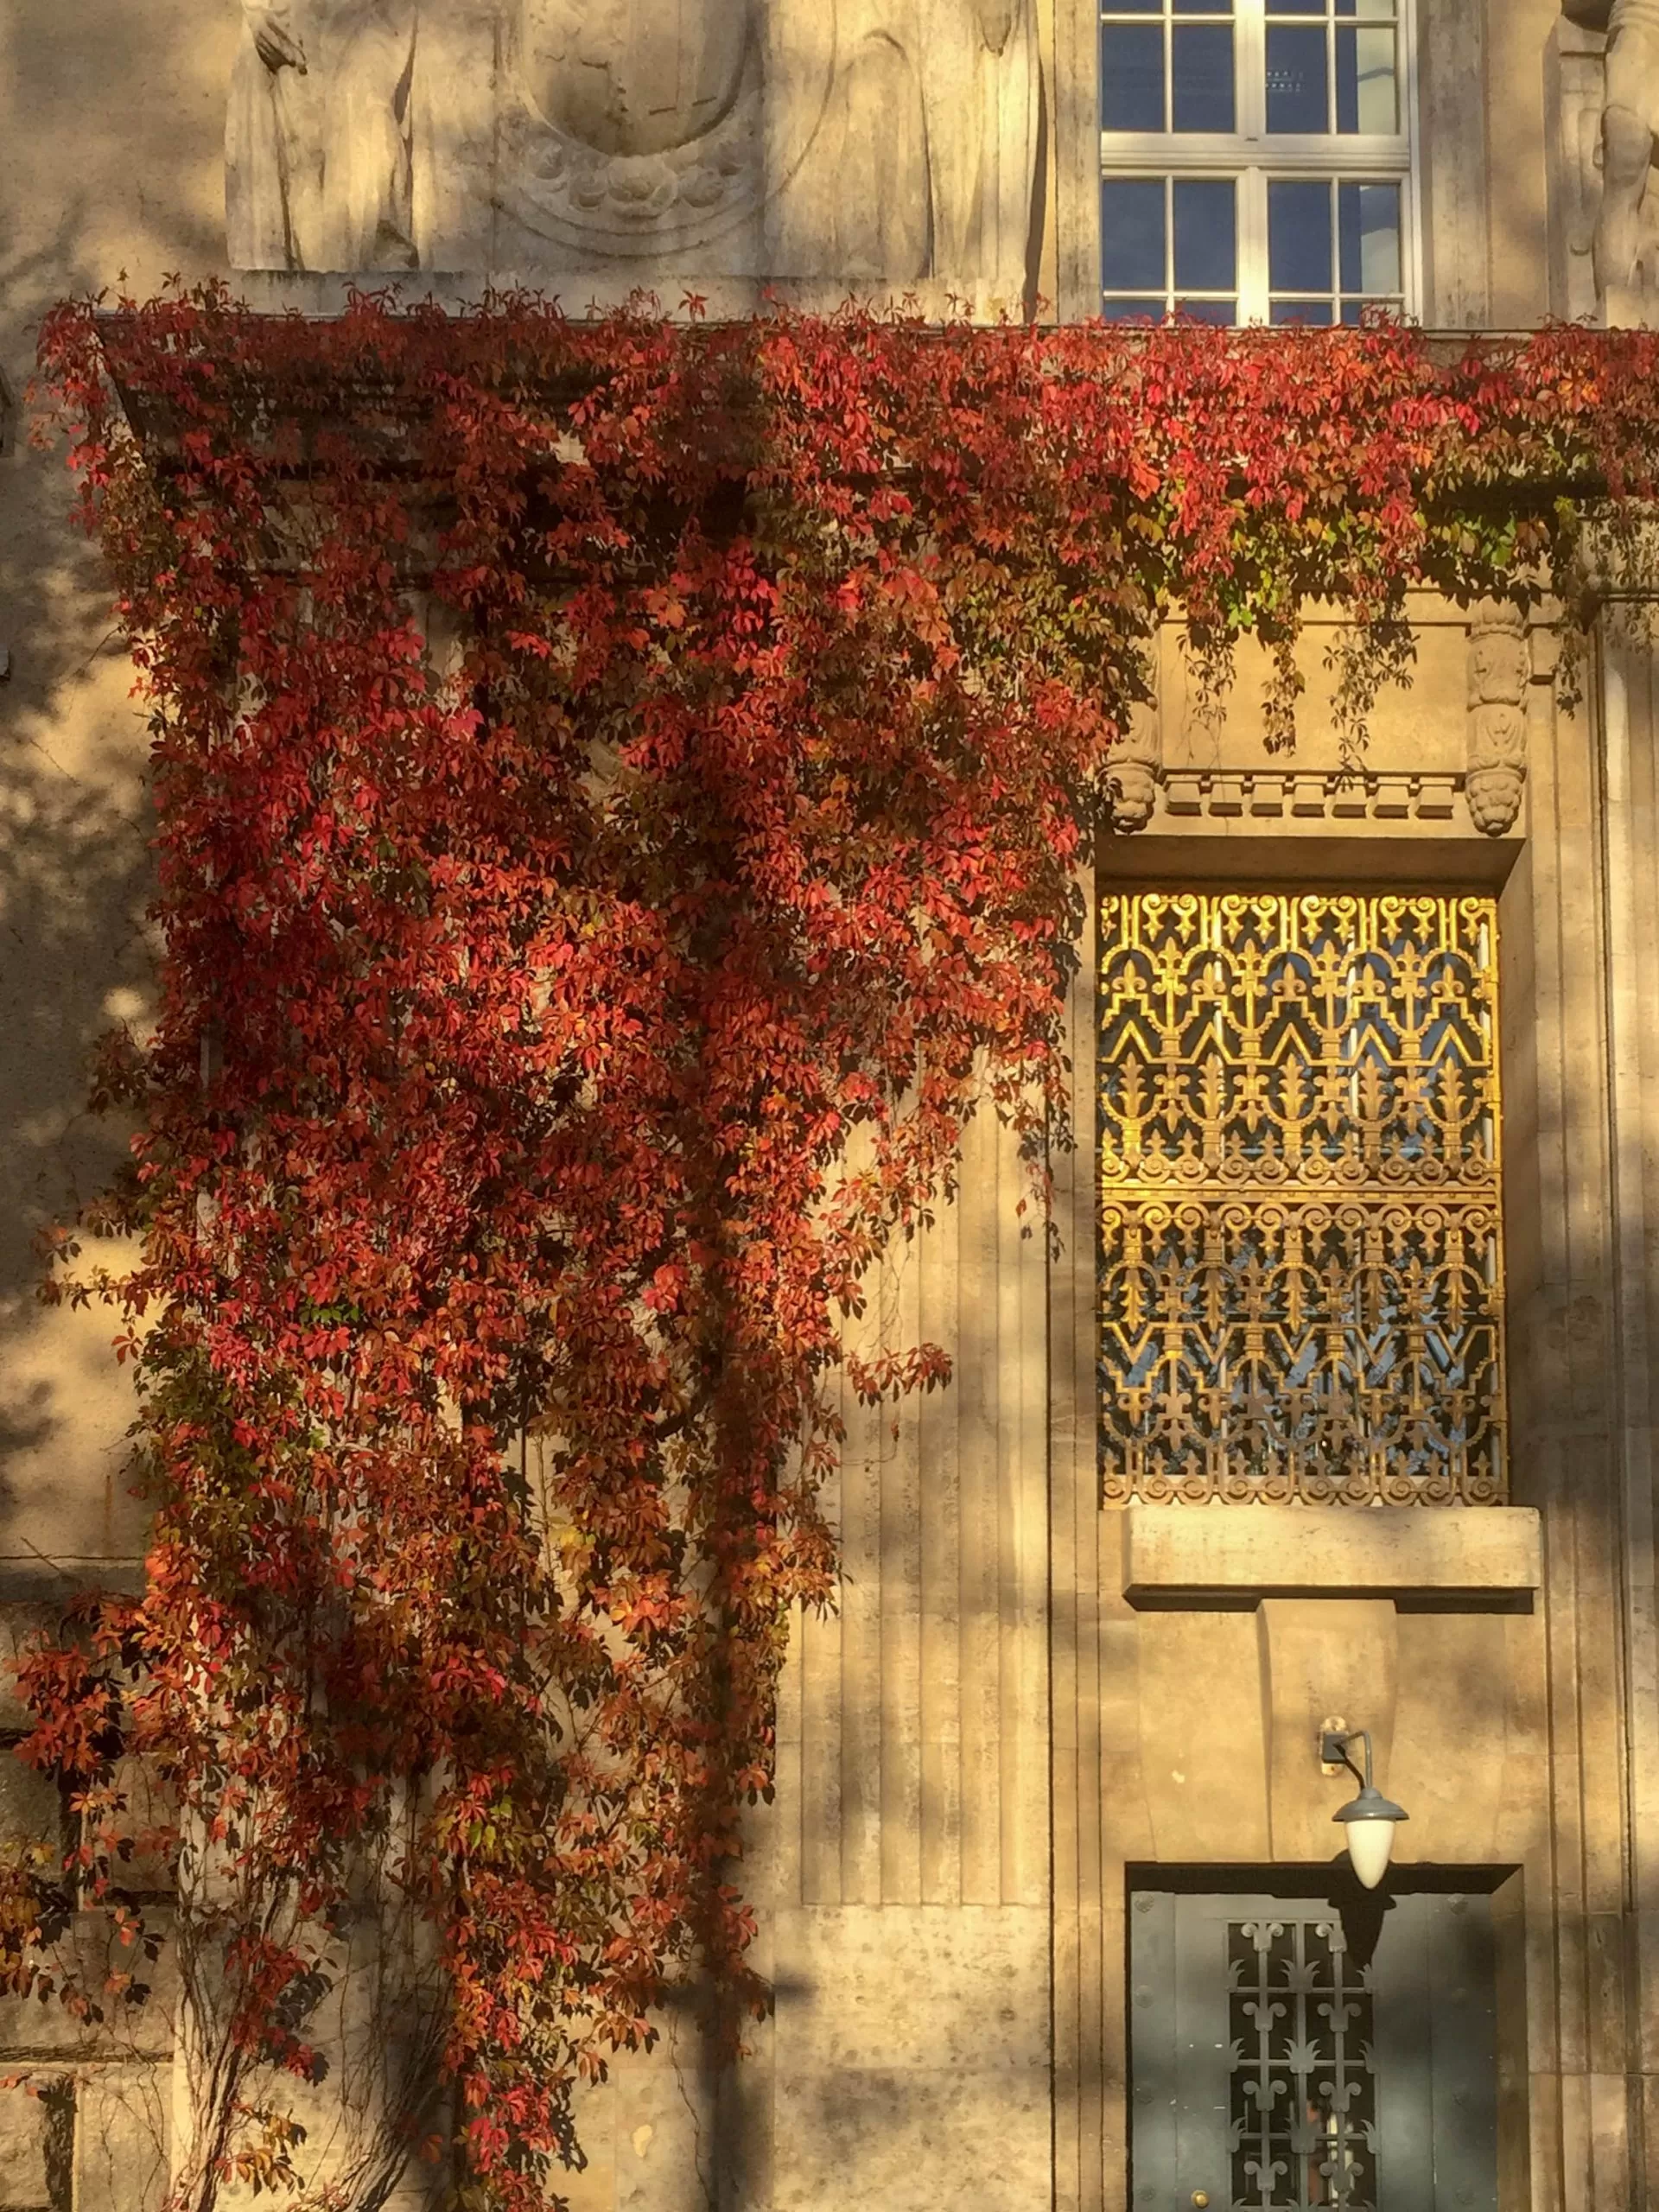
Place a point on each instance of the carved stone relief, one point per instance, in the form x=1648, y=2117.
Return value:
x=1500, y=668
x=838, y=139
x=1605, y=99
x=328, y=150
x=1137, y=770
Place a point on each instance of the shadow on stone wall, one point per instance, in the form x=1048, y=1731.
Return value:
x=112, y=119
x=74, y=876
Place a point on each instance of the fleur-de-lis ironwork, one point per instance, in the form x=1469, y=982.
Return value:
x=1301, y=1265
x=1302, y=2111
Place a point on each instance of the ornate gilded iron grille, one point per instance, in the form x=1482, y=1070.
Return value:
x=1303, y=2097
x=1301, y=1265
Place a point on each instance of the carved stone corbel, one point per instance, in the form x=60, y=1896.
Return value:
x=1137, y=770
x=1500, y=667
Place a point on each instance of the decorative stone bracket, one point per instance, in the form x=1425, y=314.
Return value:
x=1500, y=670
x=1137, y=771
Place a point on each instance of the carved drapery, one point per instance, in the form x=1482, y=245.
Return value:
x=327, y=147
x=1606, y=129
x=1301, y=1276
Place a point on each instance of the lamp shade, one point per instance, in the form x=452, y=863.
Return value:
x=1370, y=1819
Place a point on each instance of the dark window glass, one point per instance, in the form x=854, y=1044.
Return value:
x=1132, y=310
x=1207, y=235
x=1202, y=77
x=1367, y=230
x=1132, y=77
x=1311, y=311
x=1137, y=7
x=1223, y=312
x=1132, y=255
x=1299, y=237
x=1296, y=87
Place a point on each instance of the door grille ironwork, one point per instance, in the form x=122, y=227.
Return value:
x=1303, y=2102
x=1300, y=1259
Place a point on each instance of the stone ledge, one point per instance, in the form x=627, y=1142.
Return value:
x=33, y=1578
x=1212, y=1558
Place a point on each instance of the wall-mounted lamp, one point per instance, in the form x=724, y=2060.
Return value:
x=1371, y=1818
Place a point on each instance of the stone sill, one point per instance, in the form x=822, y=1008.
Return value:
x=1229, y=1558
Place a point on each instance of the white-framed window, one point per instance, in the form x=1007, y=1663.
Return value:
x=1256, y=160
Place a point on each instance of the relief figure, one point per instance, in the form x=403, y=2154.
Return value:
x=326, y=149
x=1629, y=136
x=273, y=144
x=981, y=79
x=372, y=178
x=874, y=214
x=928, y=154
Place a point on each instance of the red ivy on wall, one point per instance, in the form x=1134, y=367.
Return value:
x=621, y=790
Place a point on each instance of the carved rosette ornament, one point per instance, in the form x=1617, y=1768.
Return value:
x=1500, y=668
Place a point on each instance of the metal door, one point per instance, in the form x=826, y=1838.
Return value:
x=1312, y=2054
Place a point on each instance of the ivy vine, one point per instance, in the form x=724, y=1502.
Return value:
x=622, y=791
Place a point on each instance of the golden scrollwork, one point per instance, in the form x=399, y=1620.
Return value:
x=1301, y=1264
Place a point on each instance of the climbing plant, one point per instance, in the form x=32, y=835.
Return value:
x=620, y=791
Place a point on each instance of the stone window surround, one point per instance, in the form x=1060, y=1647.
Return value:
x=1281, y=1563
x=1247, y=153
x=1447, y=247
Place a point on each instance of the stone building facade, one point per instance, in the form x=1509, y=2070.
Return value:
x=1068, y=1715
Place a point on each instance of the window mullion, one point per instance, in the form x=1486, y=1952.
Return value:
x=1253, y=246
x=1251, y=64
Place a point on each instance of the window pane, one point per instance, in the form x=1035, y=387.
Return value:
x=1207, y=235
x=1365, y=81
x=1131, y=77
x=1296, y=87
x=1132, y=310
x=1132, y=256
x=1368, y=227
x=1202, y=77
x=1311, y=311
x=1201, y=7
x=1135, y=7
x=1299, y=237
x=1223, y=312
